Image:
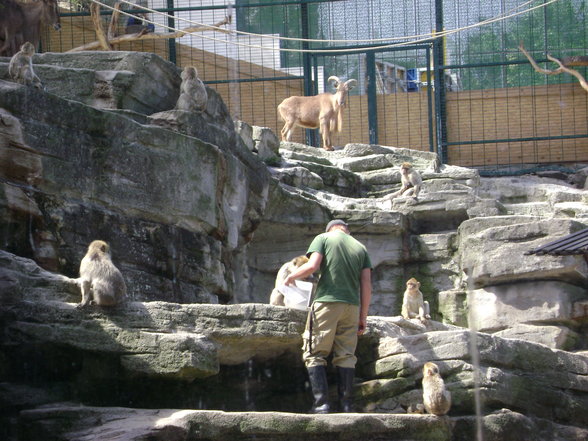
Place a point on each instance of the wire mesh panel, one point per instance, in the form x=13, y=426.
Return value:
x=506, y=113
x=479, y=103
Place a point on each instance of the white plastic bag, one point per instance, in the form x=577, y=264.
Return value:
x=297, y=295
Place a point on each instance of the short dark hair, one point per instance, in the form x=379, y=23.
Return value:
x=335, y=222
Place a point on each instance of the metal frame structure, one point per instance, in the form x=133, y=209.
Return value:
x=440, y=137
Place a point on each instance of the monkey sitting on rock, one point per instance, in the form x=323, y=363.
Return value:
x=413, y=304
x=101, y=282
x=436, y=398
x=411, y=182
x=193, y=95
x=20, y=67
x=277, y=297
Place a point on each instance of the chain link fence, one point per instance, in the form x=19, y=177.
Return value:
x=432, y=75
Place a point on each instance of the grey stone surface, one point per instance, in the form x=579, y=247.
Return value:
x=150, y=342
x=189, y=425
x=142, y=82
x=98, y=174
x=194, y=218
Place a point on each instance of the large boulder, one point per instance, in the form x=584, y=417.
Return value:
x=137, y=81
x=175, y=209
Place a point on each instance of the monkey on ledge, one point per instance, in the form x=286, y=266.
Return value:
x=20, y=67
x=413, y=304
x=101, y=282
x=411, y=181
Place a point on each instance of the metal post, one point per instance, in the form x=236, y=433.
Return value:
x=430, y=102
x=370, y=61
x=440, y=105
x=171, y=22
x=306, y=66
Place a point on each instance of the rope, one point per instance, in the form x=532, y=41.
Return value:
x=420, y=38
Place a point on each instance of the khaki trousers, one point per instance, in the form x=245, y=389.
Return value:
x=331, y=327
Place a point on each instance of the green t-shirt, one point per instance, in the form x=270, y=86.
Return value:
x=343, y=260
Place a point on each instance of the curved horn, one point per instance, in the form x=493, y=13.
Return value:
x=335, y=79
x=351, y=84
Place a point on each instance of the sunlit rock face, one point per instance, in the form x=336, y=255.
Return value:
x=238, y=369
x=466, y=238
x=194, y=214
x=197, y=213
x=176, y=209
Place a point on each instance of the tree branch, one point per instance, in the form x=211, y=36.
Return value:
x=114, y=21
x=573, y=72
x=153, y=36
x=102, y=39
x=557, y=71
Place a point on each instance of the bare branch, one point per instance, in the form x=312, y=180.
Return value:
x=559, y=70
x=573, y=72
x=102, y=39
x=114, y=21
x=139, y=36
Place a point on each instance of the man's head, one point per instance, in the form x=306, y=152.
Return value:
x=337, y=224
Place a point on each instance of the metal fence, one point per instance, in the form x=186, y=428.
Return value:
x=445, y=76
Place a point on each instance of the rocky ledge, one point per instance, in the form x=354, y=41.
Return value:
x=90, y=373
x=121, y=424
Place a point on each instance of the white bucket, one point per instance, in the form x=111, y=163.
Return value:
x=297, y=295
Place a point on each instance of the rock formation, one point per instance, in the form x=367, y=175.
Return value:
x=200, y=216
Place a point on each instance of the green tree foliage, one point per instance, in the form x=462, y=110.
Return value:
x=559, y=29
x=278, y=17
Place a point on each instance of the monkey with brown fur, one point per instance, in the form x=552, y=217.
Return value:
x=277, y=297
x=413, y=304
x=20, y=67
x=193, y=95
x=101, y=282
x=411, y=182
x=436, y=398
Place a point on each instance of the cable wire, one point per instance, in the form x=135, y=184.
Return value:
x=406, y=40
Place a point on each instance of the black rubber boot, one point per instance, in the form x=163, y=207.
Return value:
x=320, y=389
x=345, y=388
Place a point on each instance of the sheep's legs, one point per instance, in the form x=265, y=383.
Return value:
x=287, y=131
x=326, y=132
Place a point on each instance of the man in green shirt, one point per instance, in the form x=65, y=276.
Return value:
x=339, y=311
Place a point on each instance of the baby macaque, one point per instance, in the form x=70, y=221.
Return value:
x=413, y=305
x=20, y=67
x=276, y=297
x=101, y=282
x=411, y=182
x=193, y=95
x=436, y=398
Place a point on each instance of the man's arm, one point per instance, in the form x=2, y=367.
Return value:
x=303, y=271
x=365, y=289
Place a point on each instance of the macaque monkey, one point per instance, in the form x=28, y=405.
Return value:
x=101, y=282
x=416, y=408
x=276, y=297
x=413, y=305
x=20, y=67
x=436, y=398
x=411, y=182
x=193, y=95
